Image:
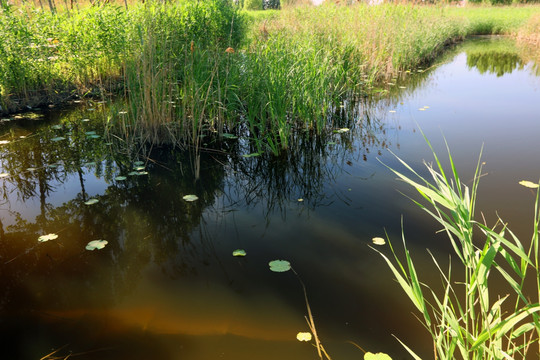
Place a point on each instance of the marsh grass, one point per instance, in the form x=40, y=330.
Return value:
x=465, y=317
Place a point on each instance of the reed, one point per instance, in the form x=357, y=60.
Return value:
x=466, y=318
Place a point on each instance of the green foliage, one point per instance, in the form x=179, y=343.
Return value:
x=473, y=322
x=253, y=5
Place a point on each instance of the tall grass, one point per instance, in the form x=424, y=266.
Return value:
x=466, y=318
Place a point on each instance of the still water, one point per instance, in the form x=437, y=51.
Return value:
x=166, y=285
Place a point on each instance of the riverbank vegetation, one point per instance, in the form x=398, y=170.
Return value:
x=194, y=69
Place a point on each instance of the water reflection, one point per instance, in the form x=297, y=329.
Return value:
x=168, y=268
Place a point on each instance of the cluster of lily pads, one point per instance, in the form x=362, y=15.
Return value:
x=92, y=245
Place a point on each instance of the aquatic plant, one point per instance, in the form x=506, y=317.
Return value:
x=465, y=317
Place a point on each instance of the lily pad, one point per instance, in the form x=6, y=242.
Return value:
x=96, y=244
x=47, y=237
x=341, y=131
x=279, y=265
x=56, y=127
x=528, y=184
x=138, y=168
x=31, y=169
x=139, y=173
x=3, y=175
x=120, y=178
x=303, y=336
x=239, y=252
x=131, y=173
x=229, y=136
x=377, y=356
x=138, y=163
x=52, y=166
x=90, y=133
x=91, y=202
x=378, y=241
x=190, y=197
x=93, y=136
x=251, y=155
x=58, y=138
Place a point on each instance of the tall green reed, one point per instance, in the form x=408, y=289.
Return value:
x=466, y=318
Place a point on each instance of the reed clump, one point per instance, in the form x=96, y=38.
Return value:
x=465, y=316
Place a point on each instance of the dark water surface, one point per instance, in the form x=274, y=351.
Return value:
x=166, y=285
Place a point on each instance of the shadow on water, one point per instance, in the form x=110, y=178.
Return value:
x=166, y=285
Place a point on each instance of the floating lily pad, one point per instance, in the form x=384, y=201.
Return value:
x=2, y=175
x=131, y=173
x=96, y=244
x=93, y=136
x=90, y=133
x=239, y=252
x=91, y=202
x=58, y=138
x=303, y=336
x=251, y=155
x=279, y=265
x=377, y=356
x=138, y=168
x=52, y=166
x=47, y=237
x=341, y=131
x=230, y=136
x=190, y=197
x=31, y=169
x=108, y=144
x=120, y=178
x=528, y=184
x=138, y=163
x=56, y=127
x=378, y=241
x=139, y=173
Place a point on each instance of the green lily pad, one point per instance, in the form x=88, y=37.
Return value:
x=58, y=138
x=303, y=336
x=90, y=133
x=52, y=166
x=378, y=241
x=279, y=265
x=239, y=252
x=251, y=155
x=47, y=237
x=138, y=163
x=56, y=127
x=138, y=168
x=93, y=136
x=190, y=197
x=91, y=202
x=229, y=136
x=528, y=184
x=131, y=173
x=96, y=244
x=120, y=178
x=377, y=356
x=139, y=173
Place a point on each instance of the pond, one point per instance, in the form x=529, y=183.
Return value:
x=166, y=285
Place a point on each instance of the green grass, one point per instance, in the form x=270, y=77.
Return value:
x=284, y=71
x=465, y=317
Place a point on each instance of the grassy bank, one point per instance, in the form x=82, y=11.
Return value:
x=193, y=69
